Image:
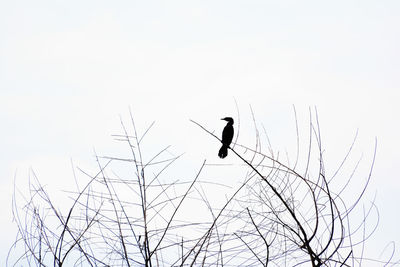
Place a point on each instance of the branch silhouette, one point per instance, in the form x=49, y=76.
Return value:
x=129, y=212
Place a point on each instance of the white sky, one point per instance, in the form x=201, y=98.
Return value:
x=69, y=68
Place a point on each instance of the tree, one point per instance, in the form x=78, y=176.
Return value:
x=280, y=215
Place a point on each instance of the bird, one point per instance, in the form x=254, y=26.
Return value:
x=227, y=136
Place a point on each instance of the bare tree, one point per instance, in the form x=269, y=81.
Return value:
x=127, y=214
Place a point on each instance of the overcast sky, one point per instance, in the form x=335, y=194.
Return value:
x=68, y=69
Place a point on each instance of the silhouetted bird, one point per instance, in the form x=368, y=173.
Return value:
x=227, y=135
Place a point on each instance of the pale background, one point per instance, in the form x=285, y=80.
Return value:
x=68, y=69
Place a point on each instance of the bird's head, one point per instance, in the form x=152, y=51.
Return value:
x=228, y=119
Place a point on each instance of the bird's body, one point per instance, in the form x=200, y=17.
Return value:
x=227, y=136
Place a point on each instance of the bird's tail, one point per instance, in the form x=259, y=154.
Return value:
x=223, y=151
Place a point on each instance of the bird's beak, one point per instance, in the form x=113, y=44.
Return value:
x=222, y=119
